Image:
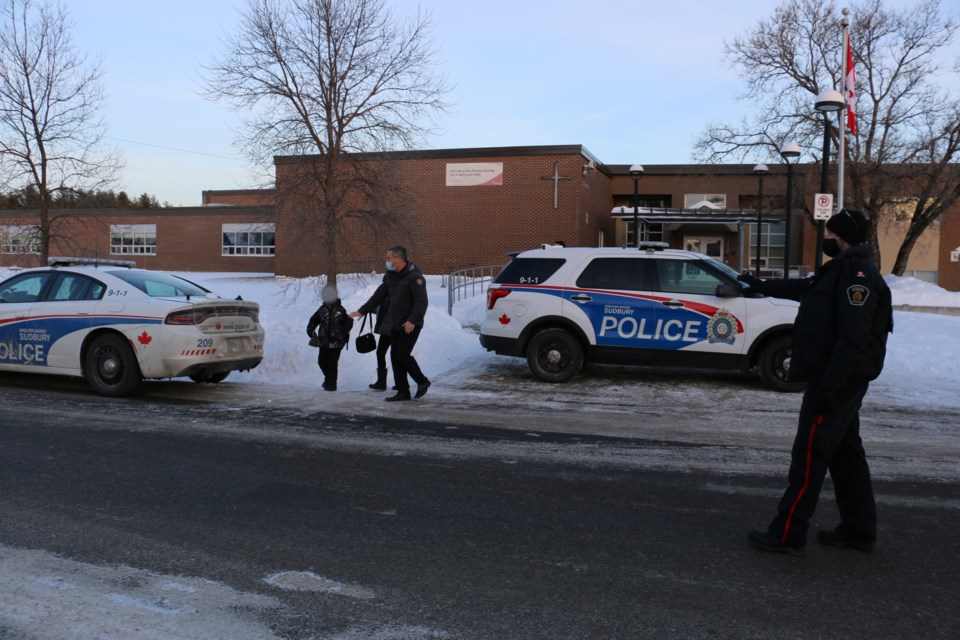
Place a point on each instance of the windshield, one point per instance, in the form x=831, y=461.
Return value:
x=725, y=270
x=160, y=285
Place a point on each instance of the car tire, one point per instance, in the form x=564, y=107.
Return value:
x=554, y=355
x=110, y=366
x=212, y=378
x=775, y=365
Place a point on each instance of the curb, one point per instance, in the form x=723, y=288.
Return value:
x=947, y=311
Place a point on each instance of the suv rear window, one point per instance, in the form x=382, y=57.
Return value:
x=529, y=270
x=629, y=274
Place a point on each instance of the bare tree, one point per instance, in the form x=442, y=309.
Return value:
x=341, y=80
x=908, y=103
x=50, y=132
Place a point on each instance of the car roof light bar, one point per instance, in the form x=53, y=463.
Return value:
x=653, y=246
x=67, y=262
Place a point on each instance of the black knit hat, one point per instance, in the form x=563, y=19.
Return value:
x=850, y=226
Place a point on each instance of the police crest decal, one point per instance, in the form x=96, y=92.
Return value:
x=722, y=327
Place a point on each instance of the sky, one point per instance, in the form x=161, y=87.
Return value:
x=51, y=596
x=632, y=81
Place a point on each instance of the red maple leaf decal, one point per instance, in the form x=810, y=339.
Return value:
x=144, y=338
x=504, y=319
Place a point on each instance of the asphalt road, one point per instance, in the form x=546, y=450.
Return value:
x=456, y=531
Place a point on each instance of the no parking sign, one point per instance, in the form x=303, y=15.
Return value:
x=822, y=206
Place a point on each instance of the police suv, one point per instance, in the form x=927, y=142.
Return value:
x=561, y=307
x=115, y=325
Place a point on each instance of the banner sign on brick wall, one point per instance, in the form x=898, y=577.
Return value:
x=475, y=174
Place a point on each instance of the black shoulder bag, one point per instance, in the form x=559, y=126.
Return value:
x=366, y=342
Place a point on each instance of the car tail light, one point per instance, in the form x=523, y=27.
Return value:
x=495, y=294
x=200, y=315
x=181, y=318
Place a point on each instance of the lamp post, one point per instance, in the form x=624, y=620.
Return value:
x=789, y=151
x=636, y=171
x=827, y=102
x=759, y=170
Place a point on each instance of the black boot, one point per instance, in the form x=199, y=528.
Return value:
x=422, y=388
x=381, y=383
x=399, y=396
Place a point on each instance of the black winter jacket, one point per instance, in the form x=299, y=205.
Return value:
x=333, y=324
x=840, y=333
x=382, y=324
x=406, y=291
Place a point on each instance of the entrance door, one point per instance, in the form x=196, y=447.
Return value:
x=707, y=245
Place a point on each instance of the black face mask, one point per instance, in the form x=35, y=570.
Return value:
x=831, y=247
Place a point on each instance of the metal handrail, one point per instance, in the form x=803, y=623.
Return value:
x=466, y=283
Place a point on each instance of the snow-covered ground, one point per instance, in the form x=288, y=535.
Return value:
x=923, y=361
x=922, y=366
x=46, y=596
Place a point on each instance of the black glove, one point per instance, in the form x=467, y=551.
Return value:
x=824, y=404
x=754, y=284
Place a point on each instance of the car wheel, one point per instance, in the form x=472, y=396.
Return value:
x=775, y=365
x=212, y=378
x=110, y=366
x=554, y=355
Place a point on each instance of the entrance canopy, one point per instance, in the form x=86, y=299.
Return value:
x=703, y=215
x=674, y=219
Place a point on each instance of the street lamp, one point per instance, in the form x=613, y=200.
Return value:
x=636, y=171
x=827, y=102
x=759, y=170
x=789, y=151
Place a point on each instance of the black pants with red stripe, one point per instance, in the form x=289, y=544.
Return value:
x=825, y=442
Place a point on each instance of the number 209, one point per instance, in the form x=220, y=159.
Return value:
x=203, y=343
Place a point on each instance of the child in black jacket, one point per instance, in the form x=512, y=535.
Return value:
x=329, y=328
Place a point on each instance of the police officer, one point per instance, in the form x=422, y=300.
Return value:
x=406, y=290
x=839, y=344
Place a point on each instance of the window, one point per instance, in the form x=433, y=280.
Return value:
x=686, y=276
x=691, y=200
x=160, y=285
x=249, y=239
x=625, y=274
x=529, y=270
x=25, y=288
x=73, y=287
x=133, y=239
x=771, y=245
x=649, y=232
x=19, y=239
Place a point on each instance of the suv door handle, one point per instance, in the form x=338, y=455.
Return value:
x=581, y=298
x=672, y=303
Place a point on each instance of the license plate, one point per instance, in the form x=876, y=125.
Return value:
x=235, y=344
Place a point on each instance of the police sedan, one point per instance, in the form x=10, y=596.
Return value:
x=116, y=325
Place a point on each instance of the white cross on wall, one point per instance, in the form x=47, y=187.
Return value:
x=556, y=177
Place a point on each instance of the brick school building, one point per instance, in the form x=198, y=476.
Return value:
x=457, y=208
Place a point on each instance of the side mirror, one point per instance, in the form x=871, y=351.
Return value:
x=727, y=291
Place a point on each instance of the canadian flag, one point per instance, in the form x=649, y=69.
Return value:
x=850, y=83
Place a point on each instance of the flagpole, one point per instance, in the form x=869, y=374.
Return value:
x=842, y=147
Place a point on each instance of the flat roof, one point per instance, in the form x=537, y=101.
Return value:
x=468, y=152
